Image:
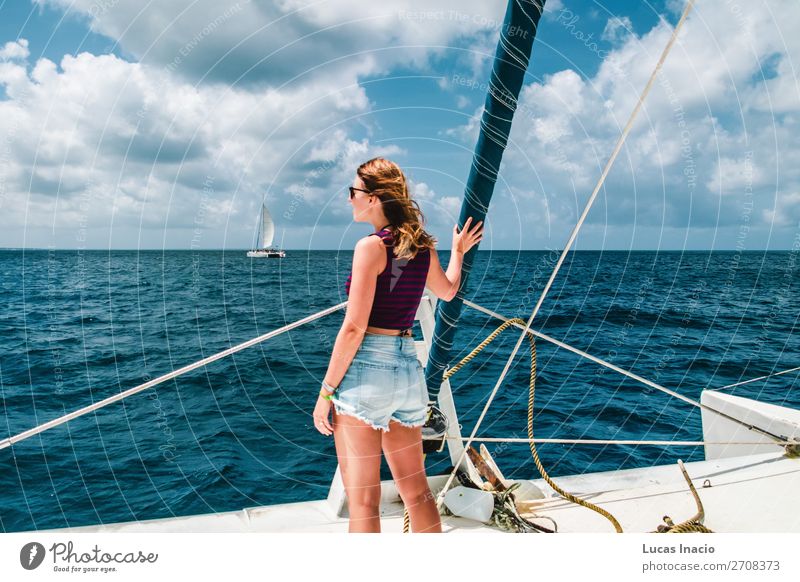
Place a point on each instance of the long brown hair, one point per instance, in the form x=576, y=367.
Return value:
x=386, y=180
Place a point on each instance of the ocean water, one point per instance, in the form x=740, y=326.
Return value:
x=79, y=326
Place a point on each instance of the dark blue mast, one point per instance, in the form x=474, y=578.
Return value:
x=508, y=72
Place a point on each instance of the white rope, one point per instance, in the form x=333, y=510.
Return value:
x=573, y=235
x=589, y=356
x=774, y=437
x=175, y=373
x=616, y=442
x=755, y=379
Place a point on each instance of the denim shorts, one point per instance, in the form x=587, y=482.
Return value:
x=384, y=382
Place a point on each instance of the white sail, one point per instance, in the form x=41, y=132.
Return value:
x=267, y=228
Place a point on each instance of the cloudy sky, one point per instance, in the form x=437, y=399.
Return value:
x=130, y=124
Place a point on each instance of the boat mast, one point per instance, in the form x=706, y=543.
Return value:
x=508, y=72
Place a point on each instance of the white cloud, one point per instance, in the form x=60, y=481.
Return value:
x=15, y=50
x=213, y=107
x=421, y=191
x=438, y=210
x=275, y=42
x=786, y=212
x=617, y=29
x=119, y=145
x=551, y=6
x=221, y=105
x=717, y=132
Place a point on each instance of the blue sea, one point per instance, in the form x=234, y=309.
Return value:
x=79, y=326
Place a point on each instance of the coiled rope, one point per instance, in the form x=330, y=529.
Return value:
x=693, y=525
x=505, y=514
x=532, y=389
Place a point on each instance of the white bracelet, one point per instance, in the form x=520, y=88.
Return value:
x=328, y=388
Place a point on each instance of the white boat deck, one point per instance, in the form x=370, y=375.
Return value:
x=746, y=494
x=756, y=493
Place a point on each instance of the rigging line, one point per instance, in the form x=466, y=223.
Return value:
x=510, y=50
x=503, y=95
x=513, y=52
x=7, y=442
x=537, y=4
x=755, y=379
x=589, y=356
x=609, y=163
x=615, y=442
x=494, y=76
x=774, y=437
x=485, y=170
x=606, y=170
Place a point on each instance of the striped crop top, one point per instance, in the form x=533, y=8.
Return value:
x=399, y=287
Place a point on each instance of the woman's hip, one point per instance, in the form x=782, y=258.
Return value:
x=390, y=351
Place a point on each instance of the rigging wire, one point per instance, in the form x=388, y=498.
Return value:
x=572, y=237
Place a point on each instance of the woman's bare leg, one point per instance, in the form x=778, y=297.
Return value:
x=402, y=446
x=358, y=447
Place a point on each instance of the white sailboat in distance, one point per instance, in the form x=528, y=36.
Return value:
x=266, y=232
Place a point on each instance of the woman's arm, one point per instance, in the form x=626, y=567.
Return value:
x=445, y=284
x=369, y=260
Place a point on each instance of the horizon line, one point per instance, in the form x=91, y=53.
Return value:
x=245, y=250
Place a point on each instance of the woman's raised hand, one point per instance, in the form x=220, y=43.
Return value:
x=467, y=238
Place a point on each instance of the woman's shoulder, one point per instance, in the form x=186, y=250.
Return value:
x=370, y=253
x=369, y=244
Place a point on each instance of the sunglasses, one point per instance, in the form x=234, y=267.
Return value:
x=354, y=190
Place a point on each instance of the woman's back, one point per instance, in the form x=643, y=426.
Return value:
x=399, y=287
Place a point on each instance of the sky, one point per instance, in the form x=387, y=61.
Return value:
x=165, y=125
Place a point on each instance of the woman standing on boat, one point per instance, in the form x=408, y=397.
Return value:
x=374, y=380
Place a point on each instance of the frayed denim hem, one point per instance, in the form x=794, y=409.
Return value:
x=361, y=418
x=409, y=424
